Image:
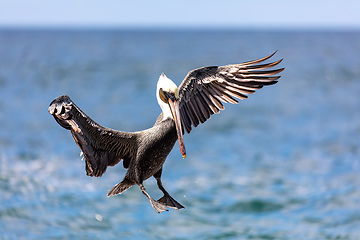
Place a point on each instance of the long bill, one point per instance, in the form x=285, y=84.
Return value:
x=174, y=107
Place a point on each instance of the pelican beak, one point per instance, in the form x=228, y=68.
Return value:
x=174, y=107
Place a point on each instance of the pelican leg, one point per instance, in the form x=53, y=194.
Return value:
x=157, y=206
x=167, y=200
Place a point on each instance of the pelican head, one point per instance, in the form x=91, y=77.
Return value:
x=167, y=94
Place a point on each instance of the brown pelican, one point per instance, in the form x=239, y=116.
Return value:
x=143, y=153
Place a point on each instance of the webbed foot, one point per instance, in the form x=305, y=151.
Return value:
x=157, y=206
x=168, y=201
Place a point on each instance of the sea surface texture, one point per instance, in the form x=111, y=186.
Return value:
x=283, y=164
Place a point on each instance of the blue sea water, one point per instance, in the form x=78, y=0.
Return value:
x=283, y=164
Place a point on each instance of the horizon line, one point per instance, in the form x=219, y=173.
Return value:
x=84, y=27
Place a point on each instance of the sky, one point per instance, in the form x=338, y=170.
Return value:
x=308, y=14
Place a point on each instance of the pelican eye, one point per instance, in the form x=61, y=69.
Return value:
x=166, y=95
x=162, y=96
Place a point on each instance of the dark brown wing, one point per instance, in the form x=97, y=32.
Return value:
x=203, y=90
x=101, y=146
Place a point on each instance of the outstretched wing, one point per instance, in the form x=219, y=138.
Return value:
x=203, y=90
x=101, y=146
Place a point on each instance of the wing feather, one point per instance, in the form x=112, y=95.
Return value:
x=204, y=89
x=203, y=109
x=222, y=94
x=102, y=147
x=196, y=110
x=208, y=102
x=235, y=92
x=214, y=100
x=185, y=120
x=192, y=115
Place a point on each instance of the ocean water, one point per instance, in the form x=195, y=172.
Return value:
x=283, y=164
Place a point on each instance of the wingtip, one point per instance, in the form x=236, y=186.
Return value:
x=273, y=54
x=51, y=109
x=265, y=58
x=252, y=62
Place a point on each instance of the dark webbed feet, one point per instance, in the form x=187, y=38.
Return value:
x=168, y=201
x=164, y=202
x=157, y=206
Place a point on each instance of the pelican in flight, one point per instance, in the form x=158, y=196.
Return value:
x=200, y=95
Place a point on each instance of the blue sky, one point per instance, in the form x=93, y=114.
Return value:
x=185, y=13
